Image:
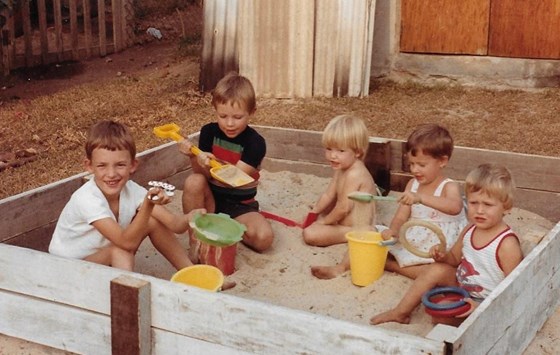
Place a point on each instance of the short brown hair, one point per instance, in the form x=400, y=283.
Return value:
x=110, y=135
x=430, y=139
x=235, y=89
x=346, y=132
x=493, y=180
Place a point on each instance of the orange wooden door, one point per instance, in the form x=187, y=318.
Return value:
x=445, y=26
x=525, y=29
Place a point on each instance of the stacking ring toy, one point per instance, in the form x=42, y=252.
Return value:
x=450, y=293
x=420, y=223
x=448, y=313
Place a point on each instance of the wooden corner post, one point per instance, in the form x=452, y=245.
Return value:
x=130, y=316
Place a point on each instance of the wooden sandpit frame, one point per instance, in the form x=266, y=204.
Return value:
x=92, y=309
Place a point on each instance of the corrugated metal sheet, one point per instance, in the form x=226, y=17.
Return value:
x=343, y=47
x=276, y=46
x=219, y=49
x=290, y=48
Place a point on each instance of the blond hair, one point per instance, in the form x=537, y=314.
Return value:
x=430, y=139
x=493, y=180
x=109, y=135
x=235, y=89
x=347, y=132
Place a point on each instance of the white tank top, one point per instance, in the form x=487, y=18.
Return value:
x=480, y=272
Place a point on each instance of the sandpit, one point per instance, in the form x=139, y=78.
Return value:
x=281, y=276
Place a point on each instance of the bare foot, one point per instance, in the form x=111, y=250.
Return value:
x=327, y=272
x=228, y=285
x=390, y=316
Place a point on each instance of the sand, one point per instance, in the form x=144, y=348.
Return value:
x=281, y=276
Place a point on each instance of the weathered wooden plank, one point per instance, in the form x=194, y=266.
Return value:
x=27, y=32
x=74, y=43
x=87, y=26
x=4, y=65
x=296, y=145
x=273, y=165
x=54, y=324
x=159, y=163
x=36, y=239
x=59, y=45
x=166, y=343
x=529, y=171
x=237, y=319
x=101, y=28
x=535, y=172
x=117, y=25
x=501, y=324
x=42, y=11
x=214, y=317
x=35, y=208
x=130, y=316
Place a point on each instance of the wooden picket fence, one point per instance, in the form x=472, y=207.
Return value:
x=41, y=32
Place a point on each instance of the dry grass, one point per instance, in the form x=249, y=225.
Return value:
x=55, y=125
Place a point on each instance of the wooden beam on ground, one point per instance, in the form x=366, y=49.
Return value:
x=130, y=316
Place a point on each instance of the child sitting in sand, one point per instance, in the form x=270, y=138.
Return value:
x=346, y=141
x=429, y=196
x=484, y=255
x=232, y=140
x=109, y=216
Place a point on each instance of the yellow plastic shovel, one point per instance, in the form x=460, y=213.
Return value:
x=226, y=173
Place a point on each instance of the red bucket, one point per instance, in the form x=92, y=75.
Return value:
x=221, y=257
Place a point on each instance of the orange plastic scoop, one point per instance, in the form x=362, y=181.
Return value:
x=226, y=173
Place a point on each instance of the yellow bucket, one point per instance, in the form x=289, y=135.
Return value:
x=367, y=257
x=207, y=277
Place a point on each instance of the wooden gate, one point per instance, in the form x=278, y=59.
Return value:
x=40, y=32
x=504, y=28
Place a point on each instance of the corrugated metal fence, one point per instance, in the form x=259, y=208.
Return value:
x=49, y=31
x=290, y=48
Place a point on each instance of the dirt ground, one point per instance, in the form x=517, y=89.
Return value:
x=45, y=112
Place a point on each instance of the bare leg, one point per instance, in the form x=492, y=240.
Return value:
x=113, y=256
x=329, y=272
x=411, y=272
x=436, y=274
x=197, y=194
x=259, y=235
x=165, y=241
x=321, y=235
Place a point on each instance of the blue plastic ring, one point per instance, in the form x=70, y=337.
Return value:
x=444, y=306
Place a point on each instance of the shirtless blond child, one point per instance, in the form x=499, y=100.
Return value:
x=346, y=141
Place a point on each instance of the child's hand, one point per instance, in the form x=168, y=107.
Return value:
x=410, y=198
x=388, y=234
x=195, y=212
x=185, y=147
x=203, y=159
x=158, y=196
x=436, y=254
x=310, y=219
